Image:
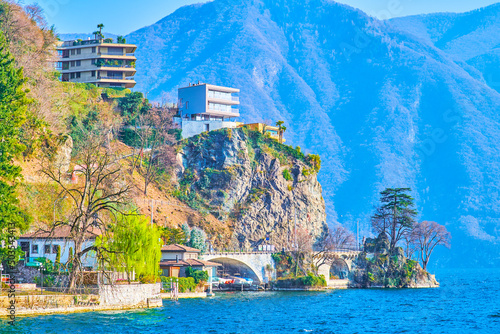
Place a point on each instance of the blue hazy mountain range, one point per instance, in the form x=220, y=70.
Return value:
x=399, y=103
x=471, y=39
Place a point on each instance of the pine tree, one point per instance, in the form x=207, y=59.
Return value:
x=13, y=104
x=187, y=231
x=395, y=216
x=197, y=240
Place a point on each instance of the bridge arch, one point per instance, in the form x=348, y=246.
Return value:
x=340, y=268
x=253, y=265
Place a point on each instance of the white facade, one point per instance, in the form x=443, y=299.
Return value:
x=205, y=107
x=47, y=247
x=209, y=102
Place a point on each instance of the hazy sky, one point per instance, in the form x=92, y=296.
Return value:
x=124, y=16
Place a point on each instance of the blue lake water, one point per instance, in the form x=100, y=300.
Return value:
x=468, y=301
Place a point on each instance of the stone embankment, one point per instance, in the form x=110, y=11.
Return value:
x=118, y=297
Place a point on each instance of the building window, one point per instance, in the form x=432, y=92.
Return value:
x=78, y=63
x=92, y=73
x=34, y=249
x=72, y=76
x=207, y=127
x=72, y=63
x=46, y=249
x=78, y=74
x=55, y=248
x=79, y=51
x=92, y=61
x=93, y=49
x=73, y=52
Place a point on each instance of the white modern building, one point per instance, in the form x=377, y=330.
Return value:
x=204, y=107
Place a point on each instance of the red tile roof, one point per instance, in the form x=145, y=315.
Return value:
x=61, y=232
x=188, y=263
x=179, y=248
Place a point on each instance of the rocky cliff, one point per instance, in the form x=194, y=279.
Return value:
x=252, y=183
x=378, y=267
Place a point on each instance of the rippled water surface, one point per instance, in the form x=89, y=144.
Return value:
x=468, y=301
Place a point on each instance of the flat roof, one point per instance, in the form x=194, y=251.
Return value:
x=214, y=87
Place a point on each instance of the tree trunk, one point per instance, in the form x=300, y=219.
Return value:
x=75, y=268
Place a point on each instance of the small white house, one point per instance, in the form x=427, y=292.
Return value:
x=45, y=245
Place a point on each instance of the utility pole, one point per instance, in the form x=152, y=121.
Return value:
x=295, y=226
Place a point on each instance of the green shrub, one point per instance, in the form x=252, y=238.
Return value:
x=310, y=281
x=186, y=284
x=197, y=275
x=149, y=279
x=287, y=175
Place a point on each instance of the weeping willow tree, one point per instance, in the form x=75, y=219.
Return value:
x=134, y=245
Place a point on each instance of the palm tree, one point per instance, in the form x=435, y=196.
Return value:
x=100, y=26
x=281, y=129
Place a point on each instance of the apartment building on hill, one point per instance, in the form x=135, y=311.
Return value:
x=97, y=61
x=204, y=107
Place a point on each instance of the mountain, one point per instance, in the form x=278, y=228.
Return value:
x=382, y=106
x=471, y=39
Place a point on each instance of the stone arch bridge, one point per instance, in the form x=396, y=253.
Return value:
x=254, y=263
x=340, y=262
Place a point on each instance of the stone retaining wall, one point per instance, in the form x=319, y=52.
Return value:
x=110, y=298
x=129, y=294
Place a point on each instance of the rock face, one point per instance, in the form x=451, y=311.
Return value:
x=378, y=267
x=260, y=186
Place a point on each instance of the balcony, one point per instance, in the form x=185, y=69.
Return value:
x=235, y=98
x=111, y=54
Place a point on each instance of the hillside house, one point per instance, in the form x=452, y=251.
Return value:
x=176, y=258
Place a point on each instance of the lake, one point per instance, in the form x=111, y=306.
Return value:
x=468, y=301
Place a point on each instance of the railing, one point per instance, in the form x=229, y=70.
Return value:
x=235, y=98
x=115, y=78
x=237, y=252
x=111, y=54
x=76, y=43
x=113, y=65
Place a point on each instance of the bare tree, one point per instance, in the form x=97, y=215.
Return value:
x=410, y=247
x=95, y=200
x=426, y=236
x=338, y=238
x=303, y=246
x=381, y=220
x=156, y=140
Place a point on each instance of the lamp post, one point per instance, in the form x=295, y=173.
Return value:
x=1, y=277
x=41, y=278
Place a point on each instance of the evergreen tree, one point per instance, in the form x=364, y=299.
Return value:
x=197, y=240
x=13, y=104
x=187, y=232
x=395, y=216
